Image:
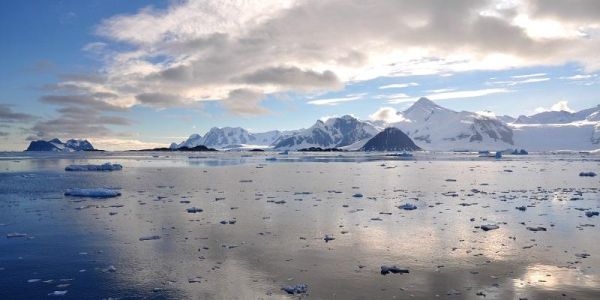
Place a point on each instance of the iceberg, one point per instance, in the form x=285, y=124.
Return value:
x=92, y=193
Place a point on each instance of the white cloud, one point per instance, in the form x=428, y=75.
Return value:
x=398, y=85
x=558, y=106
x=580, y=77
x=387, y=115
x=453, y=95
x=334, y=101
x=529, y=75
x=207, y=50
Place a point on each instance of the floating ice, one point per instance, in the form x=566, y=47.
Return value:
x=591, y=213
x=295, y=289
x=328, y=238
x=539, y=228
x=489, y=227
x=407, y=206
x=194, y=210
x=93, y=193
x=102, y=167
x=58, y=293
x=150, y=238
x=393, y=269
x=15, y=235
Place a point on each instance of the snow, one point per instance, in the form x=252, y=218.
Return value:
x=92, y=193
x=103, y=167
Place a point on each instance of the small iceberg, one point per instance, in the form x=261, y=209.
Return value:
x=295, y=289
x=103, y=167
x=93, y=193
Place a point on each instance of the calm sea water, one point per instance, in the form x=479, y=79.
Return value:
x=280, y=212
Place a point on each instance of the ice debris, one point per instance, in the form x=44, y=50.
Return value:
x=295, y=289
x=102, y=167
x=94, y=193
x=393, y=269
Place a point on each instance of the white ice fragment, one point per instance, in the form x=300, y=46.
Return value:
x=295, y=289
x=58, y=293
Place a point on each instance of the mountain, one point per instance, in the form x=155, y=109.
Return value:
x=390, y=139
x=57, y=146
x=229, y=137
x=561, y=117
x=434, y=127
x=333, y=133
x=431, y=127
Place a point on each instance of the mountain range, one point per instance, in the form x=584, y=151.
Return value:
x=431, y=127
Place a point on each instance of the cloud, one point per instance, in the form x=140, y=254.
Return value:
x=294, y=78
x=160, y=99
x=245, y=102
x=7, y=115
x=207, y=50
x=580, y=77
x=387, y=115
x=529, y=75
x=398, y=85
x=454, y=95
x=335, y=101
x=558, y=106
x=522, y=80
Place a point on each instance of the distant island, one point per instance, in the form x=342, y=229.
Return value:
x=56, y=145
x=199, y=148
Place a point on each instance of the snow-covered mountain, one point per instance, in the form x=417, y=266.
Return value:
x=561, y=117
x=229, y=137
x=333, y=133
x=433, y=127
x=56, y=145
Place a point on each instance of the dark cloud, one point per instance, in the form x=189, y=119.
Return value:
x=90, y=101
x=576, y=11
x=245, y=102
x=294, y=78
x=7, y=115
x=83, y=77
x=160, y=99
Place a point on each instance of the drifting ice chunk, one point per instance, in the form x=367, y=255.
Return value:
x=539, y=228
x=489, y=227
x=587, y=174
x=393, y=269
x=407, y=206
x=93, y=193
x=150, y=238
x=295, y=289
x=102, y=167
x=58, y=293
x=328, y=238
x=591, y=213
x=15, y=235
x=194, y=210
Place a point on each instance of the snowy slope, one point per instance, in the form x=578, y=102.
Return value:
x=335, y=132
x=433, y=127
x=229, y=137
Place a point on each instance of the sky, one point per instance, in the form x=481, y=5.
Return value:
x=137, y=74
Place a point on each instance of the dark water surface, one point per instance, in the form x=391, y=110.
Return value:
x=283, y=209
